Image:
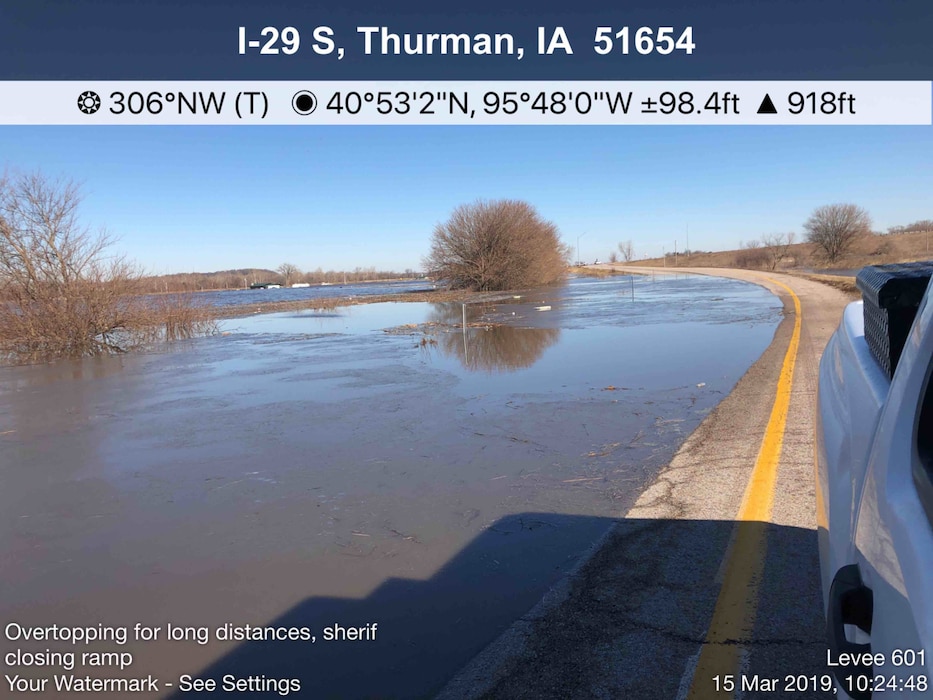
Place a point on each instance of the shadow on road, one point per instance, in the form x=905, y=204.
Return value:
x=633, y=618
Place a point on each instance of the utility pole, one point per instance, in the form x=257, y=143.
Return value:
x=687, y=245
x=579, y=259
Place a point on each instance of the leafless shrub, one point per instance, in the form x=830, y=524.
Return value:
x=60, y=293
x=613, y=256
x=628, y=252
x=834, y=227
x=777, y=246
x=175, y=317
x=752, y=258
x=498, y=245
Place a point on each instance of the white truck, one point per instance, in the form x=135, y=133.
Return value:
x=874, y=487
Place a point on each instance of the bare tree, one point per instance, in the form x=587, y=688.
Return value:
x=777, y=246
x=628, y=252
x=613, y=256
x=60, y=292
x=834, y=227
x=289, y=272
x=497, y=245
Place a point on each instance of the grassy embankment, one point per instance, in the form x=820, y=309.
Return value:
x=866, y=250
x=802, y=259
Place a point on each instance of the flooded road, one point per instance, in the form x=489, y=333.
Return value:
x=374, y=464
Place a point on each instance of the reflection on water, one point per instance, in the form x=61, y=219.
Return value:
x=499, y=348
x=490, y=348
x=75, y=369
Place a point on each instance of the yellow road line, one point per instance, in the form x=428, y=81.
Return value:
x=734, y=615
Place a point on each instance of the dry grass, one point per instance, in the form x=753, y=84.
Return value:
x=843, y=283
x=597, y=271
x=178, y=316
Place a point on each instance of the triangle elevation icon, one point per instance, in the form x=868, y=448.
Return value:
x=767, y=106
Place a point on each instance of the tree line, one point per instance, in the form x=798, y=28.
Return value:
x=921, y=226
x=831, y=229
x=286, y=275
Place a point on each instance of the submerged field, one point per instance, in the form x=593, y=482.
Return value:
x=377, y=463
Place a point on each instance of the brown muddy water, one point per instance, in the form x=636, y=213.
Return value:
x=374, y=464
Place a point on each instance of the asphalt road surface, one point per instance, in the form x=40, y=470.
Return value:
x=709, y=588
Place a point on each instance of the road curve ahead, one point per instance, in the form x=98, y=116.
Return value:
x=711, y=582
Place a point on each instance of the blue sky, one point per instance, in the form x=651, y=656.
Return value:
x=211, y=198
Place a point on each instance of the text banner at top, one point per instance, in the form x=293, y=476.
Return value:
x=764, y=103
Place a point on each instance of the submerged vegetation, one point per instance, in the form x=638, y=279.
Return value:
x=62, y=293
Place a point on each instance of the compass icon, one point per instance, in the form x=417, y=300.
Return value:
x=89, y=102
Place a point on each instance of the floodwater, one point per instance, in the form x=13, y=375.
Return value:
x=240, y=297
x=377, y=464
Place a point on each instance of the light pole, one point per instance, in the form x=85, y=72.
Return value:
x=579, y=260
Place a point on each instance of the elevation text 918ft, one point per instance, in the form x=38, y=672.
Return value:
x=616, y=103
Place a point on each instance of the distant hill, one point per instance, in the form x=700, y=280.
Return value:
x=221, y=279
x=243, y=277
